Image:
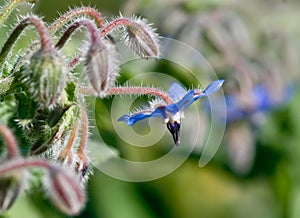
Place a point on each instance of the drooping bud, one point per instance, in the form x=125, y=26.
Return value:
x=141, y=38
x=65, y=191
x=101, y=60
x=46, y=76
x=11, y=185
x=102, y=65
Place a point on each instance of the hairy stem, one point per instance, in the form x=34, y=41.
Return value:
x=9, y=138
x=9, y=8
x=122, y=21
x=130, y=91
x=74, y=13
x=66, y=151
x=23, y=164
x=84, y=132
x=46, y=45
x=63, y=20
x=88, y=24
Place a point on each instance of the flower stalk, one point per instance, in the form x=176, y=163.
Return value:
x=83, y=162
x=45, y=42
x=66, y=154
x=75, y=13
x=71, y=29
x=21, y=164
x=130, y=90
x=9, y=138
x=10, y=7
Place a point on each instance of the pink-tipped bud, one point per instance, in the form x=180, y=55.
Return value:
x=46, y=76
x=11, y=185
x=141, y=38
x=102, y=65
x=65, y=191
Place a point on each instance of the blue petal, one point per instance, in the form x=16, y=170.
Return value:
x=213, y=87
x=132, y=119
x=124, y=118
x=159, y=112
x=210, y=89
x=176, y=92
x=185, y=102
x=189, y=98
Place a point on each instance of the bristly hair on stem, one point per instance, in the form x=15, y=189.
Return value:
x=82, y=166
x=64, y=19
x=11, y=5
x=44, y=35
x=130, y=90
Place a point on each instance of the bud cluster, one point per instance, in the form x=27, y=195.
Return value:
x=47, y=110
x=66, y=192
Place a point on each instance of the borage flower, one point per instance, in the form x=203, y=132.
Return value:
x=173, y=112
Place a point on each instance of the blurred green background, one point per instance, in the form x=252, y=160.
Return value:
x=256, y=41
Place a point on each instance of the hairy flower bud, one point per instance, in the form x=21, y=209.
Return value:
x=141, y=38
x=11, y=186
x=102, y=66
x=46, y=76
x=65, y=191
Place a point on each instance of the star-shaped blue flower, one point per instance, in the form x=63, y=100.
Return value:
x=172, y=113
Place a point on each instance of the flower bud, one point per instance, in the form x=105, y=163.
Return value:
x=141, y=38
x=102, y=65
x=65, y=191
x=11, y=186
x=46, y=76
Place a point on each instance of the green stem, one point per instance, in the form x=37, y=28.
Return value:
x=46, y=45
x=9, y=8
